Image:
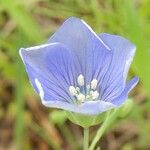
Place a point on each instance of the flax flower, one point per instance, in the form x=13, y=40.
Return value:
x=80, y=71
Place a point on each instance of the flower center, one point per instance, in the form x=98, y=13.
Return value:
x=82, y=92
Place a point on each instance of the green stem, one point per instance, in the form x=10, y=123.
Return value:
x=109, y=120
x=86, y=138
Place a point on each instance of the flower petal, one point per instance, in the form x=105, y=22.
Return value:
x=123, y=52
x=88, y=48
x=50, y=66
x=124, y=95
x=87, y=108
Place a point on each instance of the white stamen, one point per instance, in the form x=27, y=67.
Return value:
x=80, y=80
x=94, y=84
x=72, y=90
x=91, y=92
x=81, y=97
x=95, y=95
x=88, y=96
x=78, y=89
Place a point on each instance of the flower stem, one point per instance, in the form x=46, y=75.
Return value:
x=109, y=120
x=86, y=138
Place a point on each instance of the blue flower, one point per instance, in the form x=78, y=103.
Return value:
x=80, y=71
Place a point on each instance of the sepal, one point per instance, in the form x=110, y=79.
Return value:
x=126, y=108
x=85, y=121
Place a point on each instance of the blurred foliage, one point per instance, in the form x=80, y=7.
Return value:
x=25, y=23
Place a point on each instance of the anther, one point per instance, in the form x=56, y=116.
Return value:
x=81, y=97
x=72, y=90
x=95, y=95
x=80, y=80
x=94, y=84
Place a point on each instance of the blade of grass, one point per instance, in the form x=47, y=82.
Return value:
x=19, y=124
x=41, y=132
x=23, y=19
